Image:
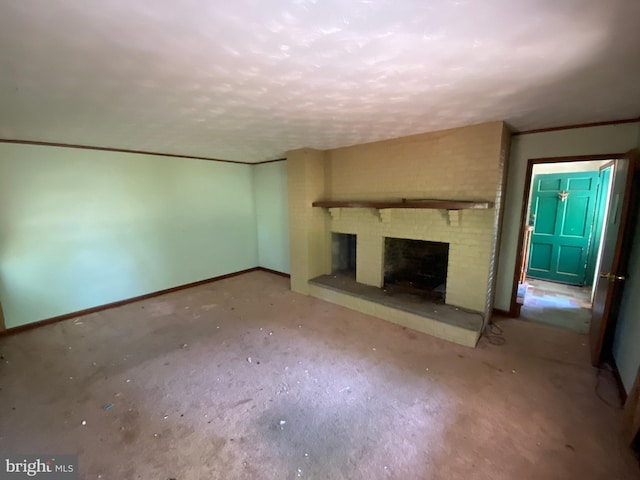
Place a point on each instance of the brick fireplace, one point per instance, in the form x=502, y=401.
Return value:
x=458, y=164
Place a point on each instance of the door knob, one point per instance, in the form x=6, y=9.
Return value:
x=611, y=276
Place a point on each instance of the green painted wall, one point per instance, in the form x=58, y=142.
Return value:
x=626, y=344
x=81, y=228
x=271, y=197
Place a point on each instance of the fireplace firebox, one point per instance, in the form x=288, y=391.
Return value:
x=343, y=259
x=416, y=267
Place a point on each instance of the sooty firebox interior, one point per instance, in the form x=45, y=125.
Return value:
x=416, y=267
x=343, y=253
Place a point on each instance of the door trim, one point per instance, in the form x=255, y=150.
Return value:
x=597, y=228
x=607, y=165
x=514, y=307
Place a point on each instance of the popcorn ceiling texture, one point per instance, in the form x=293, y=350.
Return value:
x=249, y=81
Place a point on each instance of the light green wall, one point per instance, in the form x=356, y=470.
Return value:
x=270, y=189
x=626, y=345
x=81, y=228
x=561, y=143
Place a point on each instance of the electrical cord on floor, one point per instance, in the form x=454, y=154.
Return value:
x=493, y=334
x=597, y=388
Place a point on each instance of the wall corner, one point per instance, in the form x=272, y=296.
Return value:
x=309, y=237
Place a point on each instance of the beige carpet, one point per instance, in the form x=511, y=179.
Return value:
x=243, y=379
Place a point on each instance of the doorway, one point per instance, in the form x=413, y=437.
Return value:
x=564, y=212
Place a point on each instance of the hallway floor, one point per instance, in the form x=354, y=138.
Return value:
x=244, y=379
x=559, y=305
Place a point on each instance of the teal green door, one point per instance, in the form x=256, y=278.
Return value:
x=562, y=213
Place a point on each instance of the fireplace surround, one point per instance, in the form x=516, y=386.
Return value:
x=463, y=164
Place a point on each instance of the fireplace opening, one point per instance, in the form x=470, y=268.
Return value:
x=416, y=267
x=343, y=259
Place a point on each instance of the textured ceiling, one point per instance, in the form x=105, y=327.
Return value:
x=250, y=79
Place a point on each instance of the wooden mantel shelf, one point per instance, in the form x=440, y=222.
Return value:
x=405, y=203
